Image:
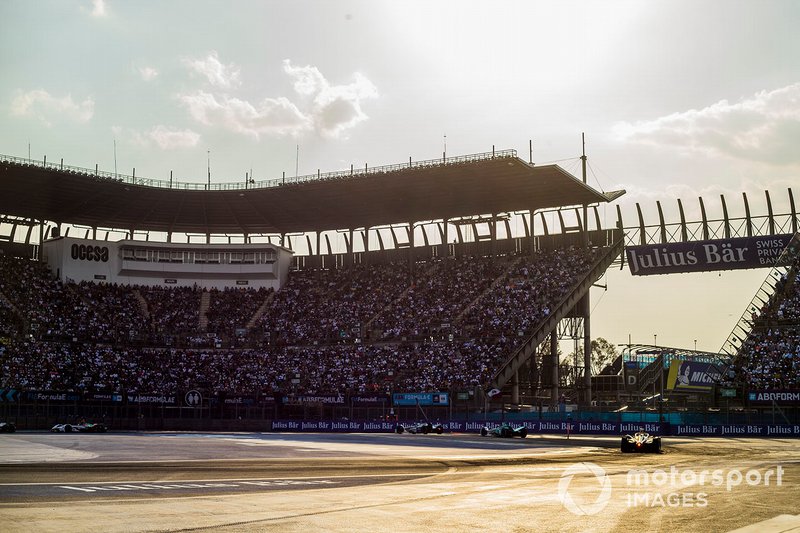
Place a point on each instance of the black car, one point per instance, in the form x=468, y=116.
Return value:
x=420, y=427
x=7, y=427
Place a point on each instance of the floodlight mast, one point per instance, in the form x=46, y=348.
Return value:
x=585, y=303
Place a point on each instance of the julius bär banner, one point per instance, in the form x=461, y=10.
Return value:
x=703, y=256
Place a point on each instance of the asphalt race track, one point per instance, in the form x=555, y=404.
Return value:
x=235, y=482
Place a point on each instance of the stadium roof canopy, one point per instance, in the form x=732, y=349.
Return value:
x=490, y=183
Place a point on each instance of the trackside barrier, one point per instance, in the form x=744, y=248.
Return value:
x=561, y=427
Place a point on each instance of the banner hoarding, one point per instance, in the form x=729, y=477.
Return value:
x=704, y=256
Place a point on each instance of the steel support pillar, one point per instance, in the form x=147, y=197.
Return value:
x=554, y=369
x=515, y=388
x=587, y=350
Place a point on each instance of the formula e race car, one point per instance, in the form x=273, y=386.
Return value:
x=81, y=428
x=7, y=427
x=640, y=442
x=505, y=431
x=420, y=427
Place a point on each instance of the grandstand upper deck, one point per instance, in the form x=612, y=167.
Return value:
x=486, y=183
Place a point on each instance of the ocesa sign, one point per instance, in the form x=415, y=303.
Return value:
x=87, y=252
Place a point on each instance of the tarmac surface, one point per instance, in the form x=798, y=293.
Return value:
x=241, y=482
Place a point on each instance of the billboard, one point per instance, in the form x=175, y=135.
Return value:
x=420, y=398
x=696, y=376
x=779, y=397
x=704, y=256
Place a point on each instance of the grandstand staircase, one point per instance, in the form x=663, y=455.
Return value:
x=764, y=296
x=142, y=303
x=260, y=311
x=205, y=303
x=521, y=355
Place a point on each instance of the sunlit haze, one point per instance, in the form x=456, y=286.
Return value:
x=677, y=99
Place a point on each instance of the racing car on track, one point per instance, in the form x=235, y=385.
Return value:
x=420, y=427
x=505, y=430
x=641, y=442
x=7, y=427
x=81, y=428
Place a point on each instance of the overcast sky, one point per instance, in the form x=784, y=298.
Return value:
x=678, y=99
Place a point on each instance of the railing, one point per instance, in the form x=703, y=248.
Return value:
x=705, y=229
x=261, y=184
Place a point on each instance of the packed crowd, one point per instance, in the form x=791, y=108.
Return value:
x=85, y=311
x=324, y=307
x=231, y=309
x=448, y=323
x=528, y=293
x=770, y=356
x=340, y=369
x=437, y=296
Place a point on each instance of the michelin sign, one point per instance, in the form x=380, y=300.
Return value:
x=692, y=376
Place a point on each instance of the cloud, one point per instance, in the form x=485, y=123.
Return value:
x=761, y=128
x=336, y=108
x=148, y=73
x=217, y=74
x=167, y=139
x=330, y=110
x=162, y=136
x=41, y=104
x=272, y=116
x=98, y=8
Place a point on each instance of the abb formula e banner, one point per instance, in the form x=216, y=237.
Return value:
x=704, y=256
x=779, y=397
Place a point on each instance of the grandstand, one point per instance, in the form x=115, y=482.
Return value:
x=415, y=313
x=430, y=292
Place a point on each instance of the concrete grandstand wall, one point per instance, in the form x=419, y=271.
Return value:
x=207, y=266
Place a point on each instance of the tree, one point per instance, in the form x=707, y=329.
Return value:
x=603, y=354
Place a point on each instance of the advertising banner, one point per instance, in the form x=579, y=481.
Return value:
x=692, y=375
x=780, y=397
x=9, y=395
x=103, y=397
x=366, y=400
x=704, y=256
x=557, y=427
x=151, y=398
x=736, y=430
x=323, y=426
x=50, y=396
x=238, y=400
x=307, y=399
x=420, y=398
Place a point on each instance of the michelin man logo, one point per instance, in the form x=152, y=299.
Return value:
x=584, y=469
